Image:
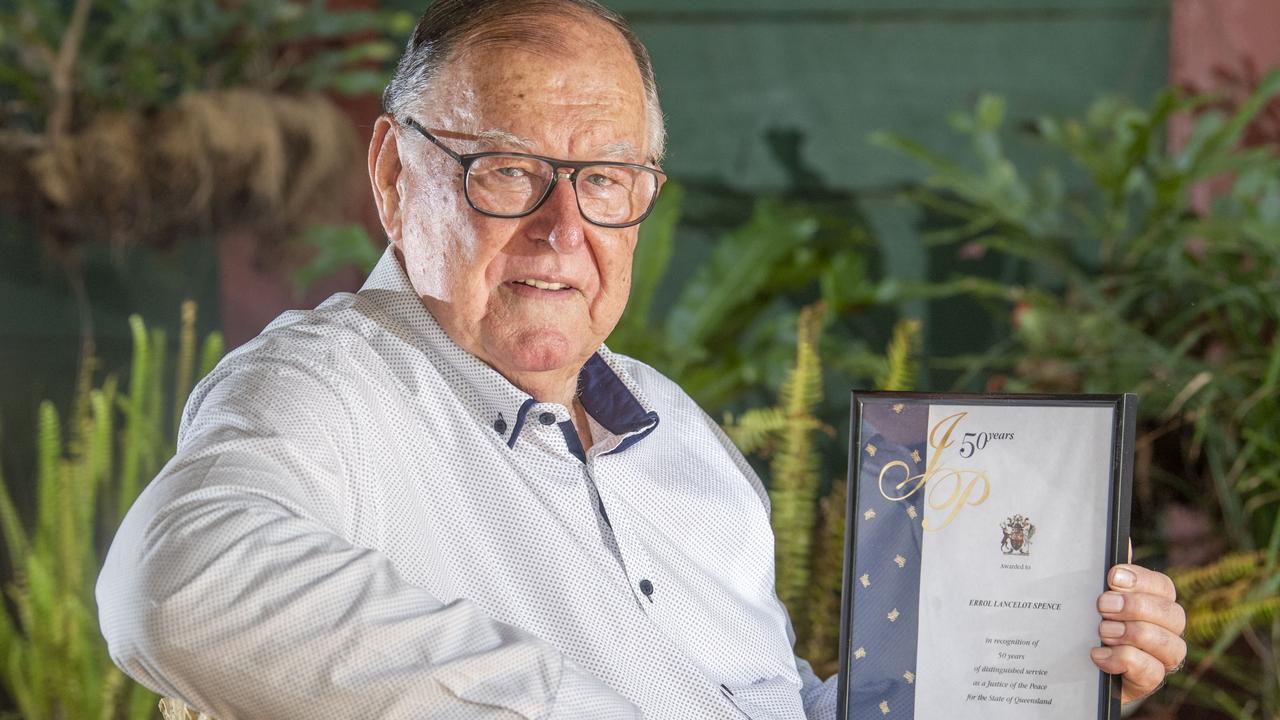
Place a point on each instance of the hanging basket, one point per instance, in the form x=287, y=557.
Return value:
x=211, y=159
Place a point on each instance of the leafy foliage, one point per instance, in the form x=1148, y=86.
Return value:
x=793, y=476
x=1217, y=595
x=335, y=248
x=726, y=334
x=900, y=357
x=1155, y=271
x=88, y=473
x=809, y=533
x=143, y=54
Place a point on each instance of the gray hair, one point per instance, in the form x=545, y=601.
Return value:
x=449, y=25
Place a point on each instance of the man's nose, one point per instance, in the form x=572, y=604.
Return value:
x=558, y=221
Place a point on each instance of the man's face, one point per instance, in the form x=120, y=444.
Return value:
x=583, y=103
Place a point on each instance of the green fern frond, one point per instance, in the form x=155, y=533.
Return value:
x=755, y=429
x=1220, y=596
x=899, y=360
x=186, y=360
x=48, y=459
x=155, y=380
x=96, y=459
x=1206, y=624
x=802, y=389
x=794, y=468
x=80, y=400
x=1226, y=593
x=41, y=619
x=134, y=407
x=1226, y=570
x=822, y=645
x=67, y=532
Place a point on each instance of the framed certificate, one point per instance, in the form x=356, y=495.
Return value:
x=980, y=530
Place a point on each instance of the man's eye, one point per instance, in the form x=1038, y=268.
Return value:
x=599, y=180
x=511, y=172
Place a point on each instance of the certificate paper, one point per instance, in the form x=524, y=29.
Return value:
x=980, y=531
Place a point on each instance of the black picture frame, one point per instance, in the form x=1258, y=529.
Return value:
x=1119, y=505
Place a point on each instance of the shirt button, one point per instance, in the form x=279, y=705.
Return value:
x=646, y=587
x=500, y=426
x=547, y=418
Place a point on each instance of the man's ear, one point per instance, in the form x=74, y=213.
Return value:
x=384, y=174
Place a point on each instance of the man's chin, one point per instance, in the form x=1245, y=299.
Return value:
x=539, y=351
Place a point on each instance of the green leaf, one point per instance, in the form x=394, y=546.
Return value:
x=335, y=248
x=755, y=428
x=936, y=163
x=48, y=462
x=134, y=406
x=741, y=264
x=15, y=535
x=900, y=357
x=652, y=255
x=210, y=353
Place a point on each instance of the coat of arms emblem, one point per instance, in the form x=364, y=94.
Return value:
x=1018, y=532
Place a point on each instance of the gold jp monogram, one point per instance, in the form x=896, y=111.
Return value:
x=949, y=489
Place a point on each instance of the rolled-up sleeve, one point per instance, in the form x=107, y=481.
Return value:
x=235, y=582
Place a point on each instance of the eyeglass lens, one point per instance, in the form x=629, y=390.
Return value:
x=512, y=185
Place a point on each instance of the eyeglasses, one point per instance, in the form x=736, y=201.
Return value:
x=512, y=185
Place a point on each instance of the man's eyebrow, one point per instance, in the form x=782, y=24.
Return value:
x=505, y=140
x=622, y=149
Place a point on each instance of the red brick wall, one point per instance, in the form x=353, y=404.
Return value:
x=1238, y=36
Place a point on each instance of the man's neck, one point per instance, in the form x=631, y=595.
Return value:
x=554, y=387
x=544, y=387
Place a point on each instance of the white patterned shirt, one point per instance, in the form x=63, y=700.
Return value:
x=364, y=520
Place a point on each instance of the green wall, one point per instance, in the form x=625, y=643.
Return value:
x=835, y=72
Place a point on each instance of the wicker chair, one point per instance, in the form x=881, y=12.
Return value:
x=173, y=709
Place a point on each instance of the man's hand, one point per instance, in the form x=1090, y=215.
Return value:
x=1141, y=630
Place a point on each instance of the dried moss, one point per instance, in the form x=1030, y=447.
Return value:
x=229, y=157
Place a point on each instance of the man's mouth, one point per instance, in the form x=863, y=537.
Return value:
x=541, y=285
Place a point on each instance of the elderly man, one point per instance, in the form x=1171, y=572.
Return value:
x=442, y=496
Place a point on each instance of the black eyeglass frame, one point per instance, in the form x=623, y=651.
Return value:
x=467, y=159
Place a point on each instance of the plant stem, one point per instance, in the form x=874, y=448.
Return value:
x=63, y=76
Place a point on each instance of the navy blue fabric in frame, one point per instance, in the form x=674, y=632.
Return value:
x=886, y=585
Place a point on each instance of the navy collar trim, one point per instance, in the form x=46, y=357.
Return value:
x=607, y=398
x=521, y=414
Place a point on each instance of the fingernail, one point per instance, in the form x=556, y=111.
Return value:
x=1111, y=629
x=1122, y=578
x=1100, y=653
x=1111, y=602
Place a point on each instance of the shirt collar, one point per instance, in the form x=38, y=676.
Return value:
x=606, y=389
